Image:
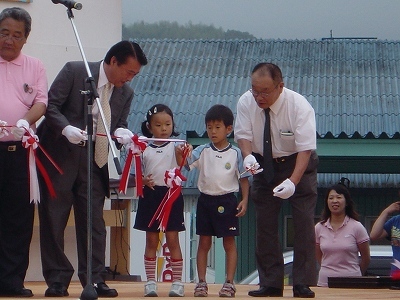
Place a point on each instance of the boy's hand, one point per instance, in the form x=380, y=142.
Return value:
x=185, y=147
x=241, y=208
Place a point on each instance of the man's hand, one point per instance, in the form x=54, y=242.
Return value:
x=249, y=161
x=20, y=128
x=124, y=136
x=3, y=129
x=285, y=189
x=74, y=135
x=251, y=165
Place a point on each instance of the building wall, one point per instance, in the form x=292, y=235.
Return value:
x=52, y=39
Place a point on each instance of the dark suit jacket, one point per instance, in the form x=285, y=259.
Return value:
x=67, y=106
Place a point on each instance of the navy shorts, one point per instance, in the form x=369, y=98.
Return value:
x=216, y=215
x=148, y=205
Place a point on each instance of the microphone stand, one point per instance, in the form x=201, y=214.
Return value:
x=89, y=292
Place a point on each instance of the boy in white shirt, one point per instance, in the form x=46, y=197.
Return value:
x=220, y=165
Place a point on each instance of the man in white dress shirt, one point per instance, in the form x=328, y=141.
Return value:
x=286, y=152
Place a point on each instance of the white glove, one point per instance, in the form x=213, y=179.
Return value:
x=251, y=165
x=3, y=130
x=285, y=189
x=249, y=161
x=74, y=134
x=124, y=136
x=20, y=128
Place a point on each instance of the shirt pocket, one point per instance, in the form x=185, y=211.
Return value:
x=288, y=141
x=29, y=94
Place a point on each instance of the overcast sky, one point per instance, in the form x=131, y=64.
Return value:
x=281, y=19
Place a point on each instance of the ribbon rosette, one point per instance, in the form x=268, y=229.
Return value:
x=173, y=179
x=31, y=142
x=253, y=169
x=136, y=148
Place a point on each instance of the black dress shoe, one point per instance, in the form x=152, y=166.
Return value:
x=302, y=291
x=56, y=289
x=264, y=291
x=16, y=292
x=103, y=290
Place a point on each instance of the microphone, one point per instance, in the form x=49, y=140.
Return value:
x=69, y=4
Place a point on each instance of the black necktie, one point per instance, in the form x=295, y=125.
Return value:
x=267, y=151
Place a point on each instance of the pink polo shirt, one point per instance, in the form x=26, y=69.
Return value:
x=23, y=82
x=339, y=249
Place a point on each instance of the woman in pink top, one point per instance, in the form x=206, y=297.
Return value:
x=340, y=237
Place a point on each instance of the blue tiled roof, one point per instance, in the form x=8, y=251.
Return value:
x=353, y=85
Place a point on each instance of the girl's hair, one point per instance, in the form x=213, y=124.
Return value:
x=341, y=189
x=157, y=108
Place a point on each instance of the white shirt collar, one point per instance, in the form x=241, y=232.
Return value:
x=278, y=103
x=102, y=77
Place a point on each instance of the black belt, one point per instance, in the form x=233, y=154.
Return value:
x=277, y=160
x=283, y=159
x=11, y=146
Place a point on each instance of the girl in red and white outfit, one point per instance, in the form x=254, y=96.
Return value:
x=157, y=158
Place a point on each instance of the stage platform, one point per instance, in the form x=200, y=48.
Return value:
x=130, y=290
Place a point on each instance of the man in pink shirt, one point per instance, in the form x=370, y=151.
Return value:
x=23, y=100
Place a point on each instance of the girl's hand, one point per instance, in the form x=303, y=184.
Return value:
x=241, y=208
x=181, y=148
x=180, y=151
x=149, y=181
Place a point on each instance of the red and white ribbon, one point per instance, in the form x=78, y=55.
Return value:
x=136, y=149
x=173, y=179
x=30, y=141
x=253, y=169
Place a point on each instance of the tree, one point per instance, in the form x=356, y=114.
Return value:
x=172, y=30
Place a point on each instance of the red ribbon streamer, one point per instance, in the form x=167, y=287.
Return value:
x=41, y=148
x=31, y=141
x=138, y=176
x=135, y=150
x=46, y=178
x=173, y=179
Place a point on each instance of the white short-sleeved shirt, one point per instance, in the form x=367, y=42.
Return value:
x=158, y=159
x=339, y=249
x=292, y=118
x=219, y=170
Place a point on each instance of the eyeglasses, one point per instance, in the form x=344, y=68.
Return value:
x=4, y=36
x=262, y=95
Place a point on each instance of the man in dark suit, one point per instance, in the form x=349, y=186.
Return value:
x=63, y=135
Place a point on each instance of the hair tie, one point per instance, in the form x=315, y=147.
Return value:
x=345, y=181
